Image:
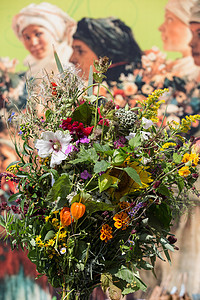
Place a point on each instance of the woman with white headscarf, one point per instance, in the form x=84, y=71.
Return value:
x=43, y=28
x=176, y=36
x=195, y=29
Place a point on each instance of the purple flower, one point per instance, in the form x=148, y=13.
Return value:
x=135, y=209
x=84, y=140
x=85, y=175
x=120, y=142
x=69, y=149
x=102, y=172
x=11, y=117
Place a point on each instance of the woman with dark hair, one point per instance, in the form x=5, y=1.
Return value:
x=109, y=37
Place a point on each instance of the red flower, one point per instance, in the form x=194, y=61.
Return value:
x=87, y=130
x=76, y=128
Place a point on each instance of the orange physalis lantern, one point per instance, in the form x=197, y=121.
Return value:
x=65, y=216
x=77, y=210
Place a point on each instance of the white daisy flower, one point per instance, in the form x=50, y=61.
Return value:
x=63, y=250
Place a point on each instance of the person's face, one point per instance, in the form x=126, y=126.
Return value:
x=82, y=57
x=195, y=42
x=175, y=34
x=38, y=41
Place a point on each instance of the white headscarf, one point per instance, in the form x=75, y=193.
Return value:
x=61, y=26
x=181, y=8
x=195, y=12
x=58, y=23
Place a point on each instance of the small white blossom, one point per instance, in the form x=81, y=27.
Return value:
x=54, y=144
x=130, y=136
x=63, y=250
x=146, y=123
x=145, y=135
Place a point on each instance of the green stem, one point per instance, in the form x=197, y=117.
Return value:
x=96, y=109
x=90, y=180
x=102, y=131
x=63, y=291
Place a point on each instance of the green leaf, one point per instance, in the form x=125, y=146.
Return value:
x=167, y=255
x=146, y=237
x=101, y=166
x=105, y=181
x=163, y=190
x=129, y=290
x=48, y=115
x=102, y=148
x=125, y=274
x=83, y=114
x=50, y=234
x=159, y=216
x=131, y=277
x=32, y=255
x=181, y=184
x=133, y=174
x=166, y=244
x=60, y=189
x=86, y=155
x=93, y=206
x=90, y=82
x=135, y=141
x=118, y=160
x=58, y=63
x=91, y=98
x=14, y=197
x=177, y=158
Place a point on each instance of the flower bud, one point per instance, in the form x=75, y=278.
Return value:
x=156, y=184
x=172, y=239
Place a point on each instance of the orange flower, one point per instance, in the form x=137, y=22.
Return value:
x=106, y=233
x=121, y=220
x=65, y=216
x=124, y=205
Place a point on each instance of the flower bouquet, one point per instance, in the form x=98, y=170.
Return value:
x=98, y=185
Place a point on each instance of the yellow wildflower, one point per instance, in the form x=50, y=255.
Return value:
x=47, y=218
x=62, y=235
x=194, y=158
x=55, y=220
x=44, y=161
x=184, y=171
x=40, y=244
x=121, y=220
x=38, y=238
x=167, y=145
x=106, y=233
x=51, y=242
x=186, y=123
x=186, y=158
